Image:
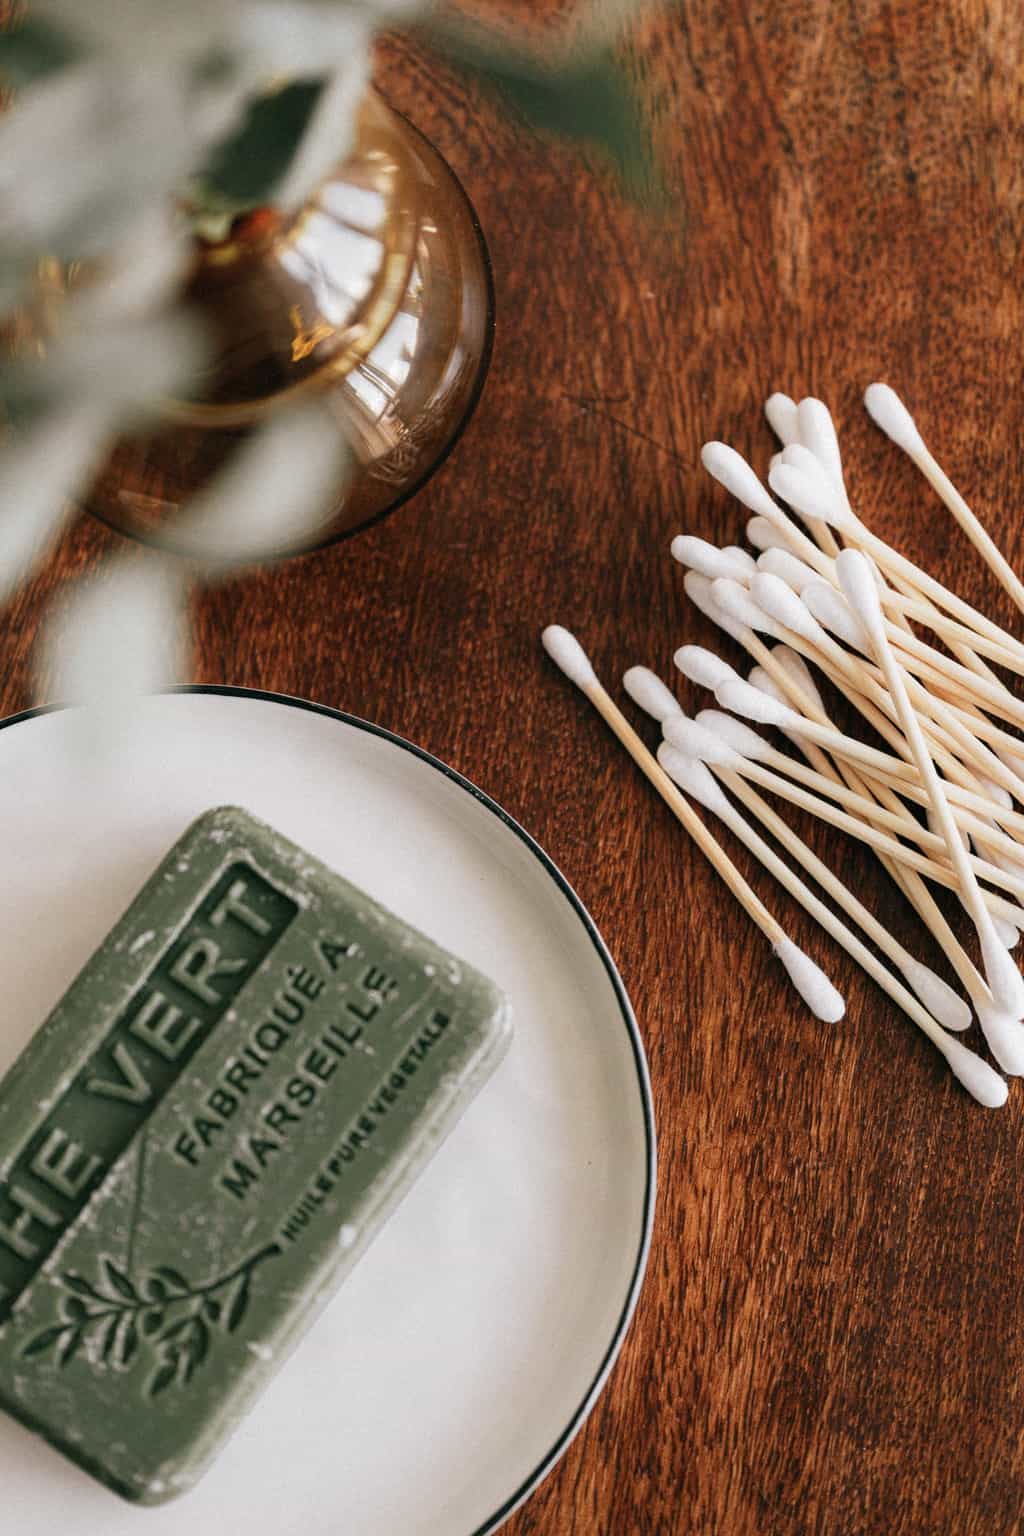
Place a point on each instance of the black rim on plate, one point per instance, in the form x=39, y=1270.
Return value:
x=580, y=1415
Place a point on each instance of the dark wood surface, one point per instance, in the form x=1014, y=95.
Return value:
x=831, y=1337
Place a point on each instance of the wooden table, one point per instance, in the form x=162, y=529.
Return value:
x=831, y=1337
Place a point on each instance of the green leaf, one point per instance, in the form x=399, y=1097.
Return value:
x=80, y=1286
x=69, y=1345
x=174, y=1277
x=239, y=1303
x=151, y=1322
x=119, y=1280
x=246, y=169
x=585, y=98
x=164, y=1377
x=107, y=1335
x=198, y=1343
x=32, y=50
x=127, y=1341
x=74, y=1309
x=176, y=1329
x=42, y=1342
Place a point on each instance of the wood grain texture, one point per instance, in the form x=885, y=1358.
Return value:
x=831, y=1338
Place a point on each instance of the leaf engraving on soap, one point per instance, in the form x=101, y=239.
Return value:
x=119, y=1321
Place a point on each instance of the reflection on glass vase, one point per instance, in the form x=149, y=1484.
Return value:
x=376, y=297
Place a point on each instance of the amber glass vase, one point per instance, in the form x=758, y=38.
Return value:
x=376, y=296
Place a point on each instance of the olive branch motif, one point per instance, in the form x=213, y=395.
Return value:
x=114, y=1315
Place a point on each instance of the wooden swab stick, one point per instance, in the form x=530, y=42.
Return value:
x=985, y=1085
x=807, y=977
x=1003, y=977
x=756, y=749
x=731, y=470
x=887, y=410
x=1000, y=1032
x=826, y=605
x=707, y=669
x=816, y=499
x=739, y=697
x=1003, y=1035
x=941, y=1001
x=789, y=610
x=706, y=746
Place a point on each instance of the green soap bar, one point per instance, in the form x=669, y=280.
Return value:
x=203, y=1137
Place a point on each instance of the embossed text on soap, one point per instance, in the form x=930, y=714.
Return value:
x=149, y=1043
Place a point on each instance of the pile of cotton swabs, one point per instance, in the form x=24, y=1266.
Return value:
x=936, y=803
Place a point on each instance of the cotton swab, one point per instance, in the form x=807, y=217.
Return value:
x=708, y=670
x=807, y=977
x=985, y=1085
x=888, y=411
x=816, y=500
x=714, y=750
x=1004, y=979
x=734, y=694
x=1003, y=1036
x=796, y=573
x=1002, y=850
x=733, y=472
x=683, y=734
x=763, y=535
x=786, y=609
x=783, y=417
x=711, y=561
x=831, y=610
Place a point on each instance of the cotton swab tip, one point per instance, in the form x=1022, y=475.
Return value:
x=811, y=982
x=703, y=667
x=857, y=580
x=944, y=1005
x=567, y=653
x=698, y=590
x=698, y=555
x=744, y=699
x=974, y=1074
x=1003, y=977
x=1006, y=933
x=818, y=433
x=647, y=689
x=794, y=572
x=759, y=679
x=833, y=613
x=696, y=741
x=782, y=604
x=1004, y=1036
x=731, y=469
x=735, y=734
x=781, y=414
x=763, y=534
x=736, y=602
x=694, y=779
x=811, y=498
x=887, y=411
x=798, y=672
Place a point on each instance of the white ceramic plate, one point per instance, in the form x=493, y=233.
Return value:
x=467, y=1347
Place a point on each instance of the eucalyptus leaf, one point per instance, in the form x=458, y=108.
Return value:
x=33, y=49
x=586, y=97
x=248, y=167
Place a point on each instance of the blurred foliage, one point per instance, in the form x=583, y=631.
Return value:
x=247, y=167
x=586, y=97
x=31, y=50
